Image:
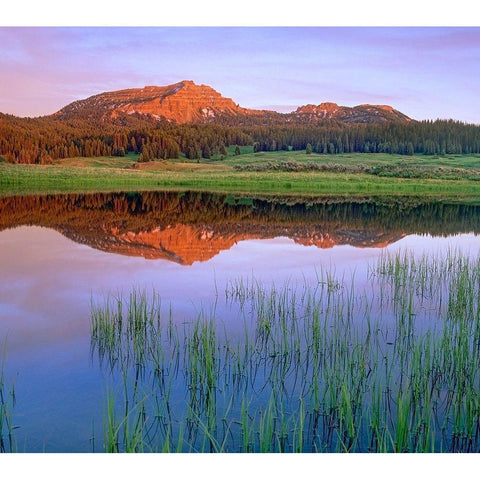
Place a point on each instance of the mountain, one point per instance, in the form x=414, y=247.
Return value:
x=182, y=102
x=359, y=114
x=186, y=102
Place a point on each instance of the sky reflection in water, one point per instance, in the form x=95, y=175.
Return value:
x=48, y=282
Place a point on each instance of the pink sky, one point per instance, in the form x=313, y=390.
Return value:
x=427, y=73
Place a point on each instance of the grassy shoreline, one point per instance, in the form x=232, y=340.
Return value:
x=254, y=174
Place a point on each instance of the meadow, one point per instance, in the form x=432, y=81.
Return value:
x=273, y=173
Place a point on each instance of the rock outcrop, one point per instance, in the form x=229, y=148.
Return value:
x=182, y=102
x=186, y=102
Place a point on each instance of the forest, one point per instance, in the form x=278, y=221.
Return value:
x=42, y=140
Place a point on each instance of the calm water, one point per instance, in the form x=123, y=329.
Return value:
x=58, y=253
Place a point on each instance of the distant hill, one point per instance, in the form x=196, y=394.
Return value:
x=359, y=114
x=186, y=102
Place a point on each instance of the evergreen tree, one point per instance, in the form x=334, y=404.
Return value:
x=118, y=152
x=206, y=152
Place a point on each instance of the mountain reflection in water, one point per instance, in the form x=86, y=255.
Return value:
x=192, y=226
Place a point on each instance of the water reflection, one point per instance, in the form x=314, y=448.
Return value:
x=190, y=227
x=50, y=275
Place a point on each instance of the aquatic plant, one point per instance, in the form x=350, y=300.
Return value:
x=7, y=403
x=336, y=366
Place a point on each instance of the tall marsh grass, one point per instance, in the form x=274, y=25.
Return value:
x=334, y=366
x=7, y=403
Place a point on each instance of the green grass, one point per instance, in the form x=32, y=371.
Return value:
x=458, y=167
x=111, y=174
x=99, y=162
x=350, y=159
x=332, y=366
x=244, y=150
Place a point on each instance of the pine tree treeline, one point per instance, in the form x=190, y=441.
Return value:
x=44, y=139
x=438, y=137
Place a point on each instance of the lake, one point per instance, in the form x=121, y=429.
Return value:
x=255, y=324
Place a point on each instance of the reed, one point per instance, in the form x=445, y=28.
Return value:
x=326, y=367
x=7, y=404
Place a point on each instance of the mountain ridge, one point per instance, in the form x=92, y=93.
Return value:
x=186, y=102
